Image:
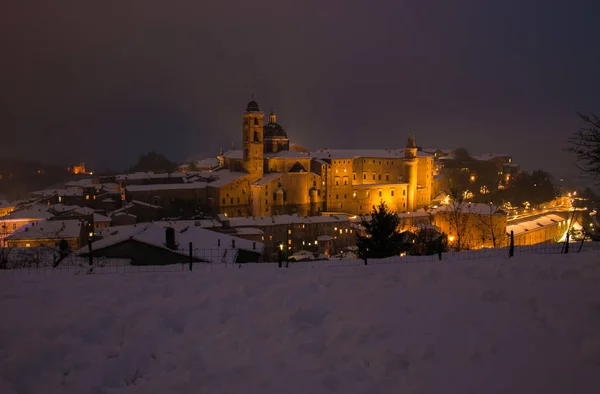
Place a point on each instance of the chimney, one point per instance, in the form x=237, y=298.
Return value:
x=170, y=238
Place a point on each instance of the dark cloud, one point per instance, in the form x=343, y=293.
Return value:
x=104, y=82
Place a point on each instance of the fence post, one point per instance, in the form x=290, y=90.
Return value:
x=581, y=244
x=511, y=249
x=440, y=243
x=191, y=256
x=567, y=243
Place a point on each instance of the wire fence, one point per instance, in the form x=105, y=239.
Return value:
x=43, y=263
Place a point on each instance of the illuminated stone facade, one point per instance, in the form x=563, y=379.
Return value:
x=268, y=178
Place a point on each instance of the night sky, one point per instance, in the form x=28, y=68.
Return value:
x=104, y=81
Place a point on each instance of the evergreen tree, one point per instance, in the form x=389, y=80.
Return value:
x=383, y=238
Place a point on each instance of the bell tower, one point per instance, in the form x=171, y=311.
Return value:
x=252, y=141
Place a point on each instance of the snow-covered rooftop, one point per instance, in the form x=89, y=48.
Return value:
x=155, y=234
x=287, y=154
x=75, y=191
x=48, y=229
x=258, y=221
x=34, y=212
x=268, y=178
x=149, y=175
x=470, y=208
x=225, y=177
x=166, y=186
x=536, y=223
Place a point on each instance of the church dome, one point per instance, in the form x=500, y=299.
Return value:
x=274, y=130
x=252, y=107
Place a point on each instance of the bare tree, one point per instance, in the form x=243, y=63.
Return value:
x=5, y=250
x=585, y=143
x=458, y=213
x=489, y=227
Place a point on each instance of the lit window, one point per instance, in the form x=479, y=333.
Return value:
x=289, y=231
x=27, y=245
x=289, y=241
x=341, y=232
x=270, y=237
x=335, y=229
x=87, y=196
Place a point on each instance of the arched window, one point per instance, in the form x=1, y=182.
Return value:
x=256, y=121
x=256, y=136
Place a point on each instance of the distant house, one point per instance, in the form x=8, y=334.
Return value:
x=6, y=208
x=150, y=244
x=48, y=233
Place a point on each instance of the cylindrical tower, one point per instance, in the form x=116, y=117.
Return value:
x=410, y=160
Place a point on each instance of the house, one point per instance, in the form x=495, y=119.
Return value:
x=19, y=218
x=292, y=232
x=48, y=233
x=155, y=244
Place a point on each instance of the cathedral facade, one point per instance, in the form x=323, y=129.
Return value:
x=266, y=178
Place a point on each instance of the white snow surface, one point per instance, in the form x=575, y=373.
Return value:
x=525, y=325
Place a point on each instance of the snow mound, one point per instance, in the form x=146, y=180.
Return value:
x=497, y=326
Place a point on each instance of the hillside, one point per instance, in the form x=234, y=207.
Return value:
x=528, y=325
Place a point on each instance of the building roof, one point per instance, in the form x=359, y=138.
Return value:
x=34, y=213
x=145, y=204
x=249, y=231
x=234, y=154
x=225, y=177
x=268, y=178
x=356, y=153
x=166, y=186
x=259, y=221
x=86, y=182
x=213, y=243
x=47, y=229
x=287, y=154
x=252, y=106
x=149, y=175
x=58, y=192
x=470, y=208
x=62, y=208
x=100, y=218
x=297, y=167
x=274, y=130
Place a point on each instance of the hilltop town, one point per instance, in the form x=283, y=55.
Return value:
x=274, y=197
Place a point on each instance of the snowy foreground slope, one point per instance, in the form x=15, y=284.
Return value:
x=518, y=326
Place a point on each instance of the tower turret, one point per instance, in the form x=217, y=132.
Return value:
x=410, y=159
x=252, y=140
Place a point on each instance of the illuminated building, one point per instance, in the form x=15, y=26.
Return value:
x=266, y=177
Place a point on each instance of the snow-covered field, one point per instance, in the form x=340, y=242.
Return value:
x=526, y=325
